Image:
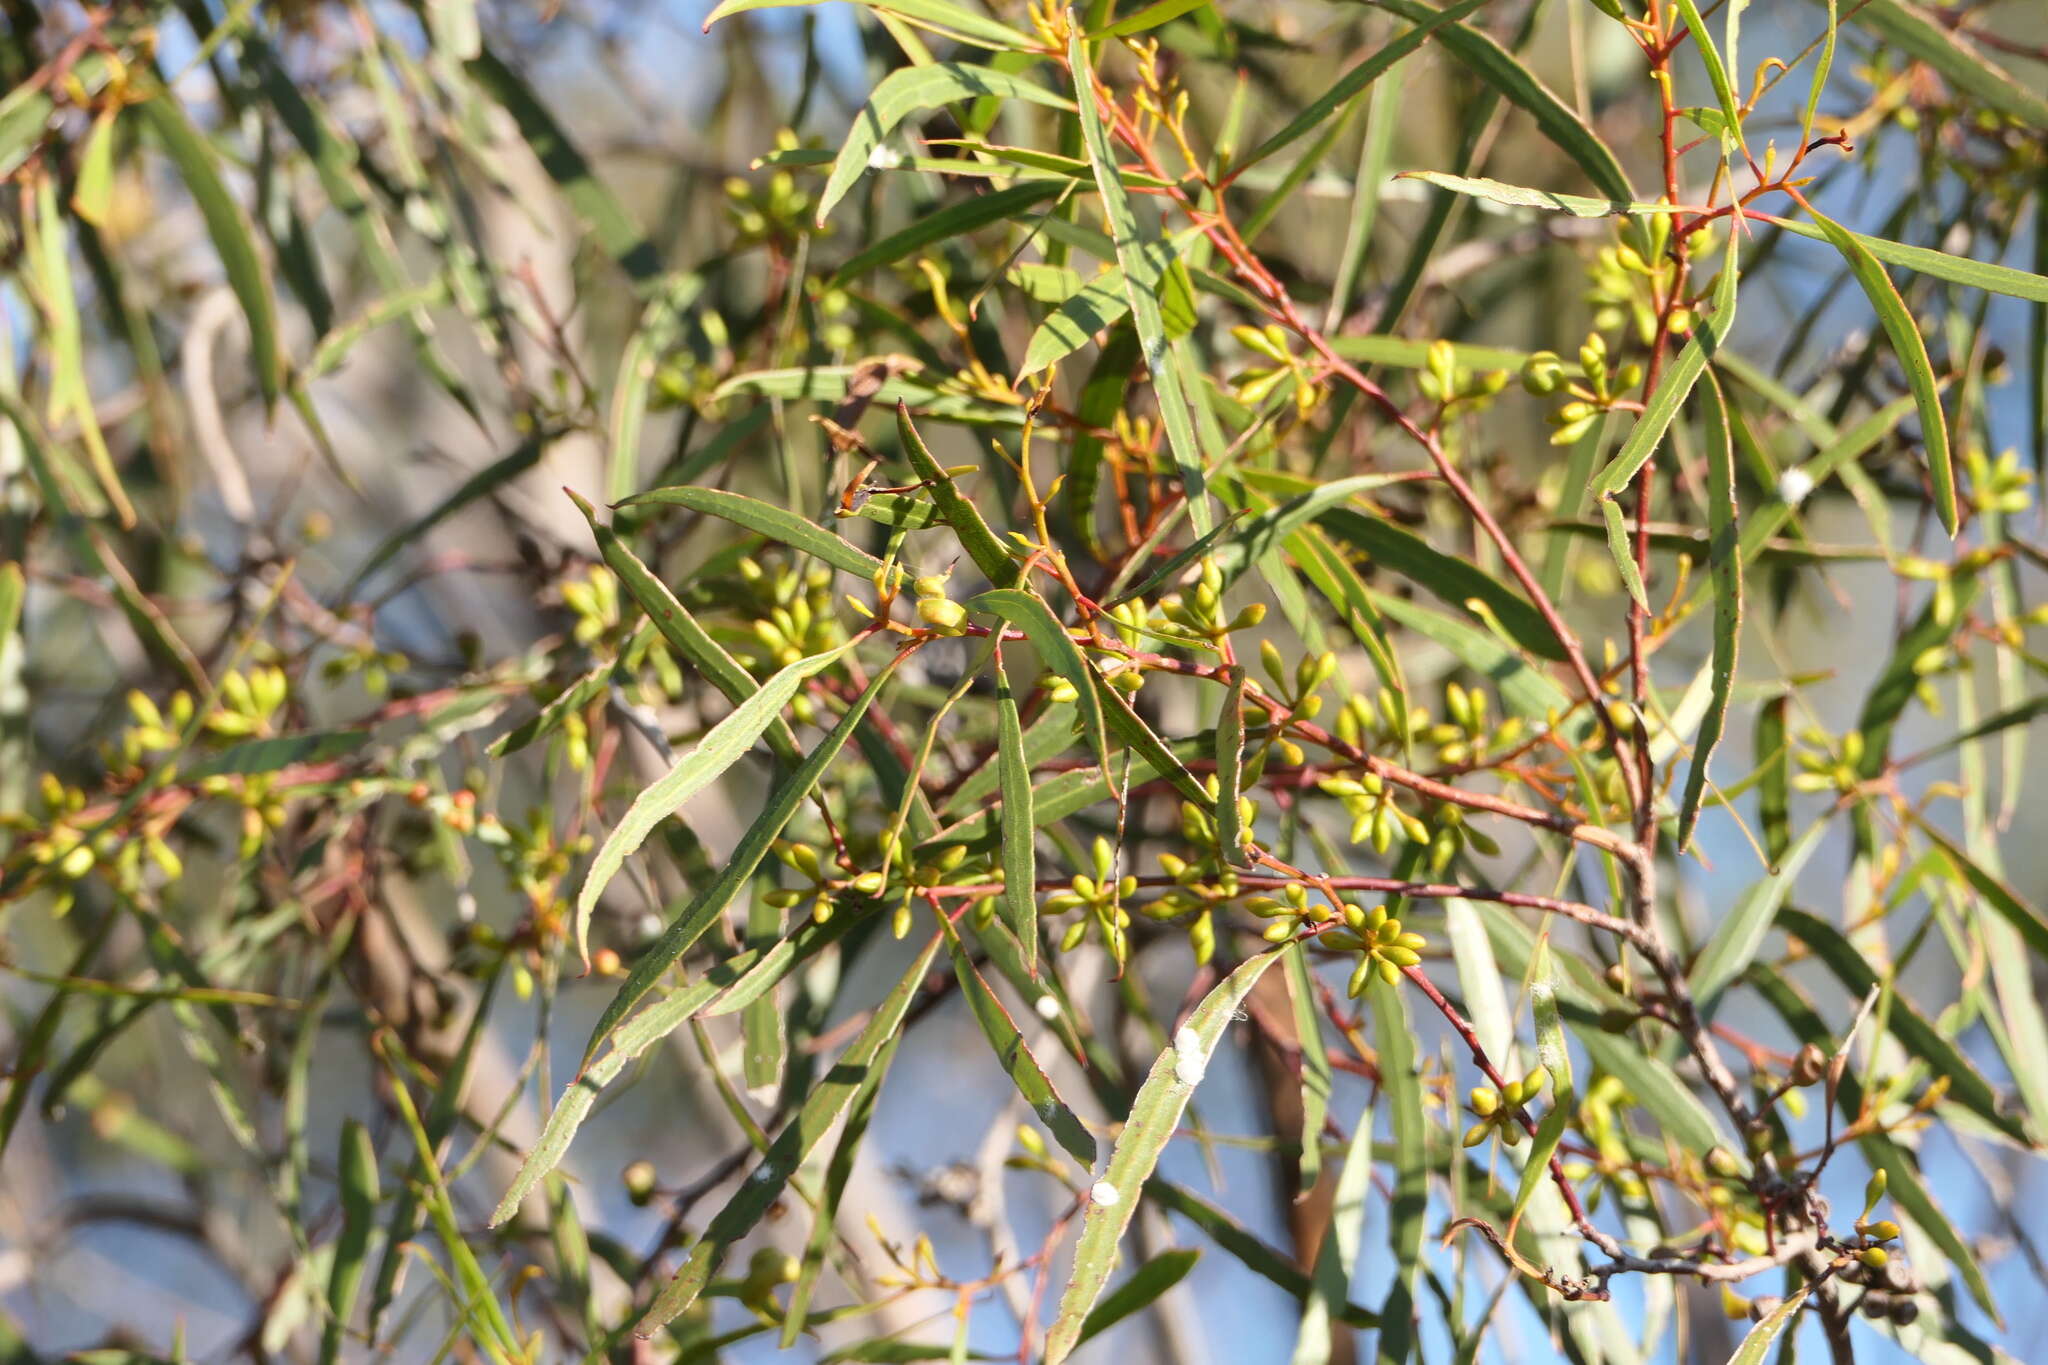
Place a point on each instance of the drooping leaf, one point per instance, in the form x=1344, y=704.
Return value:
x=821, y=1109
x=1155, y=1113
x=905, y=91
x=1911, y=349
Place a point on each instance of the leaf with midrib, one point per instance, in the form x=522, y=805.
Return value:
x=720, y=748
x=1915, y=1032
x=821, y=1109
x=753, y=846
x=1154, y=1116
x=1022, y=1068
x=904, y=92
x=233, y=239
x=779, y=524
x=1911, y=349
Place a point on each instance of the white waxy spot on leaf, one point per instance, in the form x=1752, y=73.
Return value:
x=1190, y=1062
x=1103, y=1193
x=1048, y=1008
x=1793, y=486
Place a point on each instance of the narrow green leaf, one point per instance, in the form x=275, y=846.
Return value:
x=1499, y=70
x=359, y=1196
x=822, y=1107
x=1259, y=1257
x=1919, y=1036
x=838, y=1174
x=481, y=484
x=1522, y=197
x=779, y=524
x=1401, y=1079
x=95, y=186
x=1022, y=1068
x=939, y=16
x=1623, y=552
x=987, y=552
x=1453, y=580
x=1231, y=835
x=954, y=220
x=1020, y=832
x=1556, y=1057
x=1717, y=70
x=1911, y=349
x=710, y=903
x=681, y=630
x=1677, y=383
x=1316, y=1077
x=1772, y=750
x=1056, y=648
x=1144, y=282
x=905, y=91
x=1724, y=557
x=1356, y=81
x=720, y=748
x=1908, y=28
x=1102, y=398
x=233, y=239
x=2031, y=924
x=1154, y=1116
x=1757, y=1342
x=1158, y=14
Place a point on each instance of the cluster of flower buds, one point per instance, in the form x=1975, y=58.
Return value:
x=1254, y=385
x=1101, y=895
x=1499, y=1111
x=1629, y=279
x=1448, y=384
x=1597, y=390
x=1384, y=948
x=1196, y=619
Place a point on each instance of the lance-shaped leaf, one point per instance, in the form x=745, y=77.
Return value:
x=753, y=846
x=1915, y=1032
x=720, y=748
x=981, y=544
x=1354, y=83
x=828, y=1099
x=233, y=239
x=939, y=16
x=1019, y=1065
x=1741, y=931
x=955, y=220
x=1911, y=349
x=1400, y=1075
x=1756, y=1344
x=1020, y=833
x=1447, y=577
x=905, y=91
x=1724, y=557
x=680, y=629
x=1555, y=1057
x=1057, y=649
x=359, y=1195
x=779, y=524
x=1155, y=1114
x=1144, y=282
x=1495, y=66
x=1679, y=378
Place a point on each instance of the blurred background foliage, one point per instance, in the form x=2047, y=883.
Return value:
x=317, y=695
